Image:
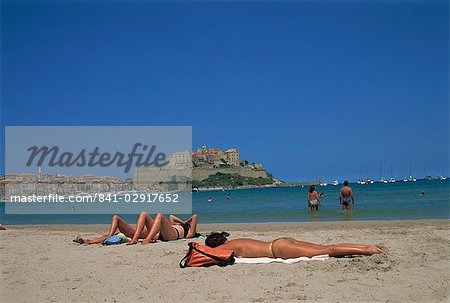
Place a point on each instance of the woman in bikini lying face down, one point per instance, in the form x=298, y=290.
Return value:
x=150, y=229
x=287, y=248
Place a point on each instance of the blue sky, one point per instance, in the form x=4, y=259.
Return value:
x=309, y=89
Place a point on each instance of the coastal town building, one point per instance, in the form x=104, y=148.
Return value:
x=176, y=176
x=181, y=160
x=232, y=156
x=44, y=184
x=215, y=157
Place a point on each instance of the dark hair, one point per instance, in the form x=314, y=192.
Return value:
x=215, y=239
x=312, y=188
x=345, y=183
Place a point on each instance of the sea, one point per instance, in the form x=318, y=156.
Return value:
x=378, y=201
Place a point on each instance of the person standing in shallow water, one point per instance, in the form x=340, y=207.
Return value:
x=346, y=196
x=313, y=198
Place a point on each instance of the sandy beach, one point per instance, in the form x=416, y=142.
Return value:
x=41, y=264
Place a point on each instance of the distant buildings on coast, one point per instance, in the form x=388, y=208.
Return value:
x=182, y=168
x=180, y=163
x=215, y=157
x=186, y=168
x=45, y=184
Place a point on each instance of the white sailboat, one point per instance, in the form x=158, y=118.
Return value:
x=369, y=180
x=382, y=179
x=392, y=179
x=361, y=179
x=442, y=177
x=411, y=178
x=425, y=172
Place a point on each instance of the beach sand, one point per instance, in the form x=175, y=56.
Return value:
x=41, y=264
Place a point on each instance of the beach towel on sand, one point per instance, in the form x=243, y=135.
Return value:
x=116, y=239
x=279, y=260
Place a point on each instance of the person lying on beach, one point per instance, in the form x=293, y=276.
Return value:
x=149, y=229
x=164, y=229
x=2, y=227
x=287, y=248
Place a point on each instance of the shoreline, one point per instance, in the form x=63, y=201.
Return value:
x=246, y=225
x=236, y=225
x=283, y=185
x=288, y=184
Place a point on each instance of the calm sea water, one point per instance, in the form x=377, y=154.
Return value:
x=396, y=201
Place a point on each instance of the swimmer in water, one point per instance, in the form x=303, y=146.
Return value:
x=209, y=199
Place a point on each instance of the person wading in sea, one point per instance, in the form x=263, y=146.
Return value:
x=313, y=198
x=346, y=196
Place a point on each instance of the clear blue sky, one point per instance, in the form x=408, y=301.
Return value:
x=306, y=88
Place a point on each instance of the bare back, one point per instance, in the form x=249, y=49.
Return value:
x=346, y=192
x=248, y=248
x=313, y=196
x=286, y=248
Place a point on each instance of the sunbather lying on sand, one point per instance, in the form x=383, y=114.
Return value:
x=287, y=248
x=150, y=229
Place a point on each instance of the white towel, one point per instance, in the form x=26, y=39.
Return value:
x=279, y=260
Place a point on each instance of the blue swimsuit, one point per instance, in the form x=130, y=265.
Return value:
x=346, y=201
